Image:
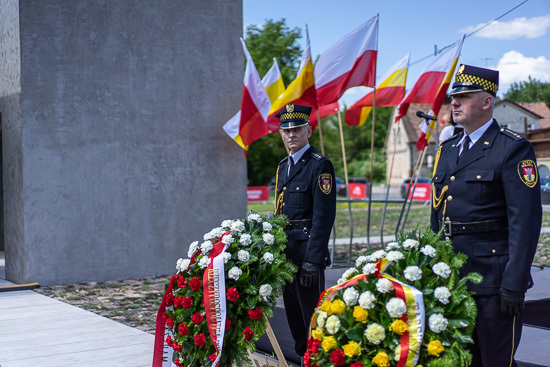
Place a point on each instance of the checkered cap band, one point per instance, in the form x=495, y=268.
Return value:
x=294, y=116
x=484, y=83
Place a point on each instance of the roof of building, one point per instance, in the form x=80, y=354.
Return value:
x=541, y=109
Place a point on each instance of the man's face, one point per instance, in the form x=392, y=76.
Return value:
x=296, y=138
x=470, y=109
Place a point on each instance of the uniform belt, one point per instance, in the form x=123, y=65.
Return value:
x=299, y=224
x=451, y=228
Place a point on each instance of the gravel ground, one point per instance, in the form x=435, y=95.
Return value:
x=135, y=302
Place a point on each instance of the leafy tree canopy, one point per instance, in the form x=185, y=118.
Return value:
x=529, y=91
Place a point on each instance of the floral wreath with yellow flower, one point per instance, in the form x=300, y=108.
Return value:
x=405, y=305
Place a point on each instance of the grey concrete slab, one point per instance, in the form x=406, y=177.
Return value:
x=62, y=335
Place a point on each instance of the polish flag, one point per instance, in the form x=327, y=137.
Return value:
x=273, y=82
x=431, y=78
x=329, y=109
x=388, y=93
x=301, y=91
x=348, y=63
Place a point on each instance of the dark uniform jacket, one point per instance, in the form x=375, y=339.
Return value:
x=308, y=194
x=496, y=180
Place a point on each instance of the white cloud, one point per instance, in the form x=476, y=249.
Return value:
x=515, y=67
x=513, y=29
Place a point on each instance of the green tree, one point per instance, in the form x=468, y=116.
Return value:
x=274, y=39
x=529, y=91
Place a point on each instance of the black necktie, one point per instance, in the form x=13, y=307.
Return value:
x=465, y=146
x=290, y=164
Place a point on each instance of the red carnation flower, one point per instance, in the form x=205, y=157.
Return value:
x=169, y=340
x=195, y=284
x=187, y=302
x=170, y=322
x=197, y=318
x=315, y=346
x=307, y=362
x=169, y=299
x=232, y=294
x=255, y=314
x=248, y=333
x=337, y=357
x=200, y=340
x=227, y=324
x=182, y=282
x=177, y=346
x=212, y=357
x=357, y=364
x=178, y=363
x=183, y=329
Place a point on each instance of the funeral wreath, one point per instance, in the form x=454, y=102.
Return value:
x=217, y=303
x=405, y=305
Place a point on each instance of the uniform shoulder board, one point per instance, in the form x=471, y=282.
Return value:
x=317, y=156
x=452, y=138
x=511, y=134
x=283, y=160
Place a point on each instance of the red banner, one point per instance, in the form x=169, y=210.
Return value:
x=257, y=193
x=422, y=192
x=357, y=191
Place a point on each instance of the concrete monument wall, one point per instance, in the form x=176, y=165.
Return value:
x=115, y=158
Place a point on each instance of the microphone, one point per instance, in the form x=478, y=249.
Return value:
x=425, y=116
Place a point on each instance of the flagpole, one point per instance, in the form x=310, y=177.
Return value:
x=371, y=166
x=389, y=181
x=346, y=180
x=320, y=133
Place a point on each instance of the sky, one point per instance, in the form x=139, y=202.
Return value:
x=517, y=44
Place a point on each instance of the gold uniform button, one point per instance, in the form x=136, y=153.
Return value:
x=449, y=198
x=297, y=189
x=284, y=188
x=453, y=178
x=447, y=218
x=478, y=177
x=494, y=251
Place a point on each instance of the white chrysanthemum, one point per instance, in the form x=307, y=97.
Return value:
x=392, y=246
x=183, y=264
x=428, y=251
x=377, y=255
x=442, y=294
x=268, y=257
x=396, y=307
x=243, y=255
x=438, y=323
x=226, y=257
x=411, y=244
x=227, y=239
x=227, y=223
x=350, y=296
x=369, y=269
x=204, y=262
x=268, y=238
x=442, y=269
x=193, y=247
x=397, y=352
x=206, y=246
x=341, y=280
x=348, y=273
x=412, y=273
x=254, y=218
x=234, y=273
x=265, y=290
x=215, y=233
x=321, y=319
x=367, y=300
x=237, y=226
x=360, y=261
x=333, y=324
x=383, y=285
x=245, y=239
x=267, y=226
x=394, y=256
x=375, y=333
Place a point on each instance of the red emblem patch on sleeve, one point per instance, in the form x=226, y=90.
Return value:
x=527, y=171
x=325, y=183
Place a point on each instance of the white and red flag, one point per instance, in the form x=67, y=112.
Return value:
x=431, y=78
x=350, y=62
x=388, y=93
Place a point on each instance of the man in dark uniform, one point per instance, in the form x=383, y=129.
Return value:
x=486, y=197
x=306, y=195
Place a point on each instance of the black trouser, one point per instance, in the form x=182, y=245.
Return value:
x=300, y=302
x=496, y=337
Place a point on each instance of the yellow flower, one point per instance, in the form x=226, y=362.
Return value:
x=337, y=306
x=317, y=334
x=329, y=343
x=381, y=360
x=399, y=327
x=435, y=347
x=360, y=314
x=326, y=307
x=352, y=349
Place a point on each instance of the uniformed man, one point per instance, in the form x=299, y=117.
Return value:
x=306, y=195
x=486, y=198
